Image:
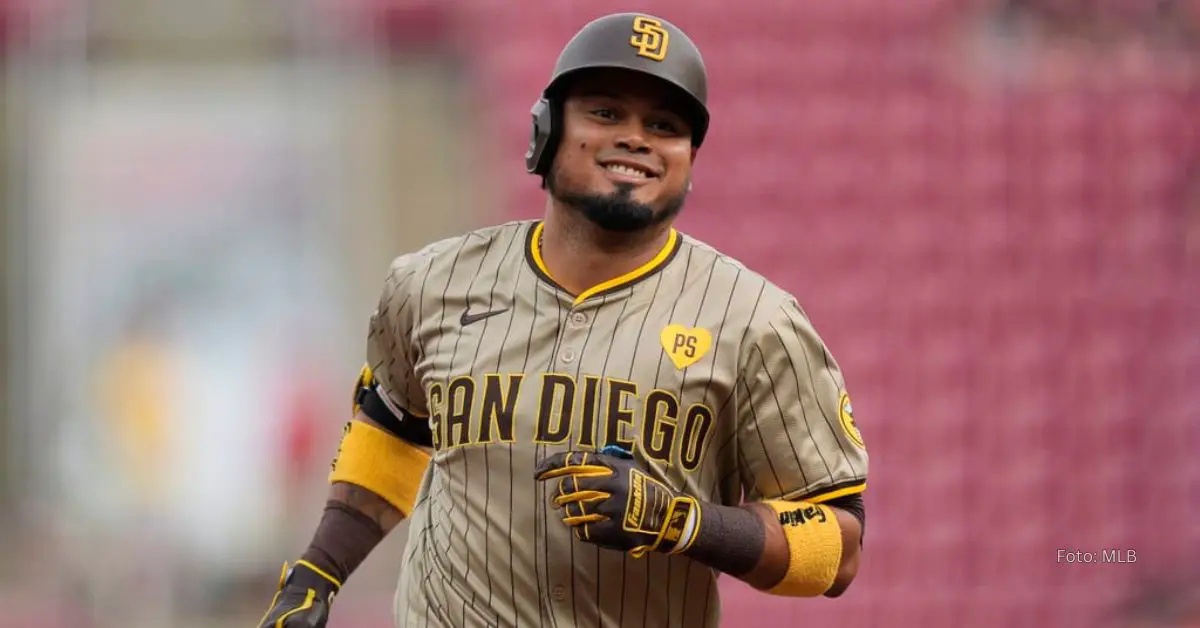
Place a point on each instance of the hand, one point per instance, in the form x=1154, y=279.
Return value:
x=608, y=500
x=303, y=600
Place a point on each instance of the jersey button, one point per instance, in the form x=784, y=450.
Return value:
x=579, y=318
x=559, y=592
x=568, y=355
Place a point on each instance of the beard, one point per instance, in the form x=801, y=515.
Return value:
x=618, y=211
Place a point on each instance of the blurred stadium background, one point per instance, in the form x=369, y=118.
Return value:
x=990, y=208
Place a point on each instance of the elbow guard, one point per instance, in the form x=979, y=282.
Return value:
x=814, y=539
x=382, y=463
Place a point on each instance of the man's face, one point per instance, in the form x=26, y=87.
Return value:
x=625, y=159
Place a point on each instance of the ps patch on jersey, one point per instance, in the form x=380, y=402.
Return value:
x=846, y=416
x=685, y=346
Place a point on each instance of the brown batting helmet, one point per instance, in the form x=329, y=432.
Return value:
x=628, y=41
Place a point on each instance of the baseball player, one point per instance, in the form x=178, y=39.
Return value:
x=589, y=417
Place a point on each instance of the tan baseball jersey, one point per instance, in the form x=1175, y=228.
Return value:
x=712, y=376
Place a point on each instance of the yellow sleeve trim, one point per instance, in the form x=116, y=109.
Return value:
x=815, y=542
x=821, y=498
x=381, y=463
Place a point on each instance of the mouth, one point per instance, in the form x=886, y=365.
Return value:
x=629, y=171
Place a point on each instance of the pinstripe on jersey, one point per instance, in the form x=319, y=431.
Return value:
x=711, y=374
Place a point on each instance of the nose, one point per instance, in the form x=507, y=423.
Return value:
x=631, y=137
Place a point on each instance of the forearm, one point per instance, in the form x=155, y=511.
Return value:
x=735, y=541
x=750, y=544
x=367, y=503
x=787, y=548
x=356, y=519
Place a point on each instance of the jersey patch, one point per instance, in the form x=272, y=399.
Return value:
x=846, y=416
x=685, y=346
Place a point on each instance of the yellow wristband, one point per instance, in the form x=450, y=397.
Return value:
x=815, y=540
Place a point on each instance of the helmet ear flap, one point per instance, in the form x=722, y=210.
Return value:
x=543, y=139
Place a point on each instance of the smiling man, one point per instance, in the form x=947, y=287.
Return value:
x=590, y=416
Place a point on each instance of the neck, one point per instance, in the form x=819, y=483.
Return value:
x=580, y=255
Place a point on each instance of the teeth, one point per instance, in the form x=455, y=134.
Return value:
x=627, y=171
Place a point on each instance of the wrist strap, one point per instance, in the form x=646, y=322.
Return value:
x=683, y=521
x=309, y=575
x=679, y=528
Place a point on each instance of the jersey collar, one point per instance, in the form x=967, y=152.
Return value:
x=533, y=254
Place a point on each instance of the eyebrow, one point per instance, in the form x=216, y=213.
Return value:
x=598, y=93
x=666, y=105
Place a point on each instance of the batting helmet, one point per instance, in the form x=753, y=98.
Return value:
x=629, y=41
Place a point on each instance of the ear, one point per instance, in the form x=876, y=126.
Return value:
x=695, y=151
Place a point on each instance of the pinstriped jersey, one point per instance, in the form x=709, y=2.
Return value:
x=713, y=376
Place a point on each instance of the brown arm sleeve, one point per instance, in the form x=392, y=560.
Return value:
x=354, y=522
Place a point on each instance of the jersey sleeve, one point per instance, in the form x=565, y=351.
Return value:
x=391, y=346
x=797, y=436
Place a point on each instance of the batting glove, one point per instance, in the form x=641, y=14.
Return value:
x=304, y=598
x=608, y=500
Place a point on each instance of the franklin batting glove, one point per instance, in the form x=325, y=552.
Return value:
x=304, y=598
x=608, y=500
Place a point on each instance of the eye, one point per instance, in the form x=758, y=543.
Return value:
x=664, y=126
x=667, y=127
x=607, y=114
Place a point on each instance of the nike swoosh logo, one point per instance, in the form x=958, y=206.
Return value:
x=468, y=318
